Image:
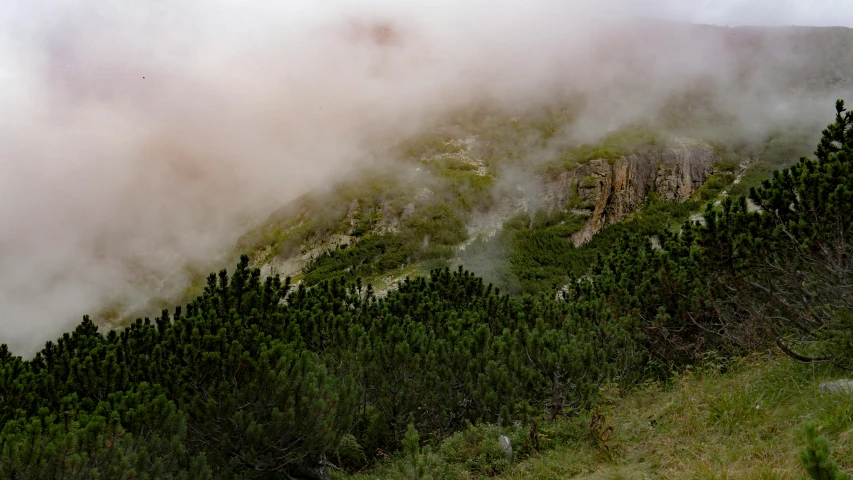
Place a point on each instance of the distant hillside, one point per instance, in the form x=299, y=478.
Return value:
x=752, y=98
x=461, y=182
x=256, y=377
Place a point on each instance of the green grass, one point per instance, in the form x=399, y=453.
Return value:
x=467, y=189
x=611, y=148
x=779, y=150
x=436, y=223
x=714, y=186
x=728, y=163
x=452, y=164
x=589, y=182
x=431, y=144
x=429, y=235
x=370, y=257
x=741, y=420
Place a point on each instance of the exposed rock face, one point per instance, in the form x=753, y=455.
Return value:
x=837, y=386
x=604, y=191
x=684, y=170
x=352, y=213
x=506, y=446
x=609, y=192
x=293, y=265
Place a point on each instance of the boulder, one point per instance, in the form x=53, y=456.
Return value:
x=506, y=446
x=838, y=386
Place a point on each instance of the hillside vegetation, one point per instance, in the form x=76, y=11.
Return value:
x=744, y=419
x=447, y=193
x=256, y=378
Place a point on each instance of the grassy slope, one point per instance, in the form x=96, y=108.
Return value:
x=745, y=423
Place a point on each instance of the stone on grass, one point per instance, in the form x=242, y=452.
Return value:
x=506, y=446
x=838, y=386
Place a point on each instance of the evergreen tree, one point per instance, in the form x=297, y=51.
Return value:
x=257, y=379
x=784, y=272
x=814, y=456
x=411, y=446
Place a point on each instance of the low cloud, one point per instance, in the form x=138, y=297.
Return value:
x=138, y=138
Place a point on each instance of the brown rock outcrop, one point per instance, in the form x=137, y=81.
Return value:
x=610, y=192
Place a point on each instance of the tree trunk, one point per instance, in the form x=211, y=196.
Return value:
x=557, y=401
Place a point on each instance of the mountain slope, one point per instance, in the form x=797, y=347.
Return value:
x=257, y=379
x=741, y=420
x=756, y=95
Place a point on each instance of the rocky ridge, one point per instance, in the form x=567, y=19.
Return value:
x=609, y=191
x=605, y=191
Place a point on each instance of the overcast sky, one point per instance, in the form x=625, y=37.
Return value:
x=761, y=12
x=719, y=12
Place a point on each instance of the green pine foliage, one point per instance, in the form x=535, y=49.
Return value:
x=815, y=457
x=411, y=446
x=784, y=272
x=257, y=379
x=535, y=253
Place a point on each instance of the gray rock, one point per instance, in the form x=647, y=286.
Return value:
x=613, y=190
x=354, y=208
x=506, y=446
x=837, y=386
x=655, y=241
x=561, y=294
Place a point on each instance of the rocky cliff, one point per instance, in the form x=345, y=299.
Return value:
x=608, y=191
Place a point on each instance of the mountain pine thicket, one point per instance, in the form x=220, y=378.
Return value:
x=815, y=457
x=256, y=378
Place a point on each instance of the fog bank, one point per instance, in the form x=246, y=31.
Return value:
x=138, y=138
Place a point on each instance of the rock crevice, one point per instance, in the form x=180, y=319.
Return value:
x=610, y=191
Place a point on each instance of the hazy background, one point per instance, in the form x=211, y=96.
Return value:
x=139, y=137
x=760, y=12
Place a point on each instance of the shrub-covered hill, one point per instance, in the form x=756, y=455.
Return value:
x=752, y=102
x=482, y=166
x=257, y=379
x=457, y=195
x=385, y=228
